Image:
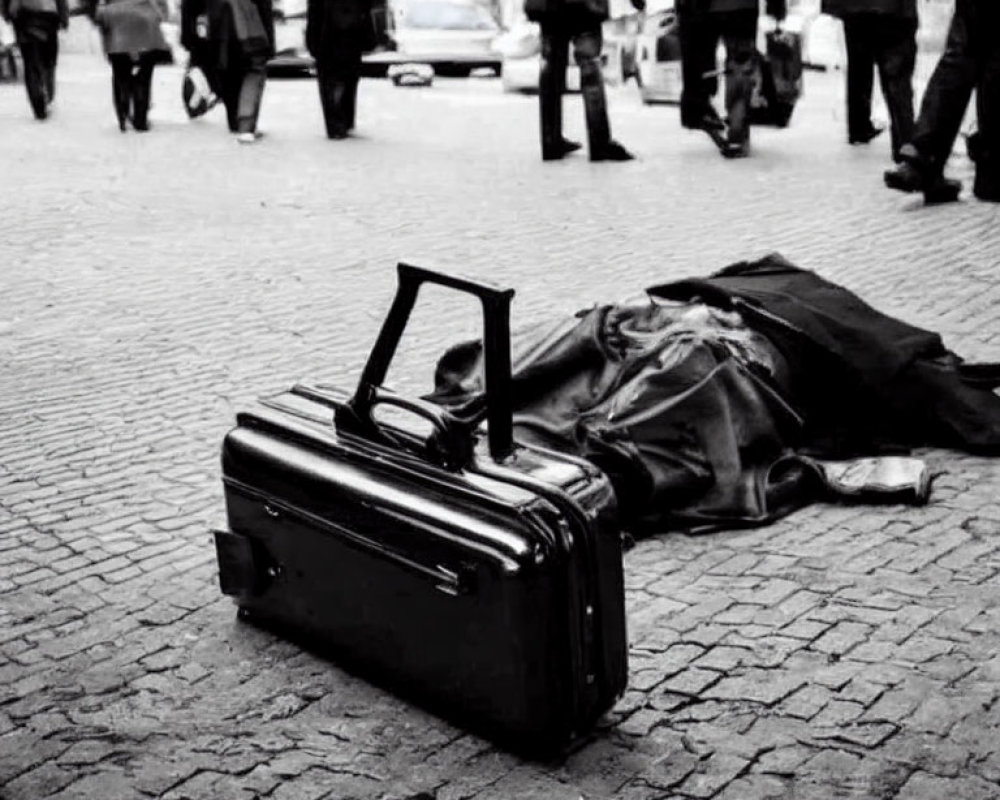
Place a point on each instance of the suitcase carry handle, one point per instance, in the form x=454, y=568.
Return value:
x=452, y=435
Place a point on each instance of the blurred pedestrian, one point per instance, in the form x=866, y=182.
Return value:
x=702, y=23
x=882, y=33
x=337, y=33
x=36, y=27
x=970, y=61
x=134, y=45
x=579, y=22
x=239, y=40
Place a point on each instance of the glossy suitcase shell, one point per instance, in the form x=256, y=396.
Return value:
x=482, y=581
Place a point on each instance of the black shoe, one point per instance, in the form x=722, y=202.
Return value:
x=985, y=189
x=942, y=190
x=612, y=151
x=735, y=150
x=708, y=120
x=864, y=138
x=908, y=177
x=563, y=148
x=904, y=178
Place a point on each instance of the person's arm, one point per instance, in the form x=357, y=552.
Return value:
x=190, y=10
x=266, y=10
x=314, y=10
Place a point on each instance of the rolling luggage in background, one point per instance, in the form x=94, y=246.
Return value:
x=482, y=580
x=778, y=83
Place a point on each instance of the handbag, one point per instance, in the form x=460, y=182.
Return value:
x=196, y=93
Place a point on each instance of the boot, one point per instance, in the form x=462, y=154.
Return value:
x=918, y=173
x=987, y=182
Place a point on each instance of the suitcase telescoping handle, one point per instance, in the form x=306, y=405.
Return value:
x=495, y=303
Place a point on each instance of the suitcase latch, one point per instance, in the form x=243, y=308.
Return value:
x=454, y=582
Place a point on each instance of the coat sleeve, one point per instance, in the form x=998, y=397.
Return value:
x=266, y=10
x=314, y=23
x=190, y=11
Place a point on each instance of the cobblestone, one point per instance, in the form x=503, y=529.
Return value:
x=155, y=284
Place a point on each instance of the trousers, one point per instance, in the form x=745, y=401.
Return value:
x=890, y=43
x=970, y=61
x=241, y=88
x=131, y=81
x=700, y=32
x=37, y=36
x=337, y=79
x=587, y=41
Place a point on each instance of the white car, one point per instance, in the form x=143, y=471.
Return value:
x=658, y=58
x=450, y=35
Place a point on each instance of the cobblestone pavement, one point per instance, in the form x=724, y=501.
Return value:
x=152, y=284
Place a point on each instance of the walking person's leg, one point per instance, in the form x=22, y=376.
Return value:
x=987, y=181
x=50, y=56
x=326, y=84
x=352, y=76
x=34, y=71
x=739, y=33
x=698, y=39
x=230, y=82
x=551, y=85
x=859, y=39
x=587, y=52
x=250, y=95
x=896, y=56
x=941, y=112
x=142, y=83
x=121, y=87
x=333, y=88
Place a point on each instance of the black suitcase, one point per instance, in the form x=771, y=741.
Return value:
x=483, y=581
x=777, y=80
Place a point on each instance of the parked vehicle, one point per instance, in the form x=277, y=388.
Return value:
x=10, y=58
x=291, y=57
x=658, y=58
x=452, y=36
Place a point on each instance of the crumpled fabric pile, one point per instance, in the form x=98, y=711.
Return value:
x=732, y=400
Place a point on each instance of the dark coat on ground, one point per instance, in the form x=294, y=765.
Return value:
x=130, y=26
x=338, y=28
x=906, y=9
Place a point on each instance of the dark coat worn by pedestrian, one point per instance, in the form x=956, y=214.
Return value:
x=896, y=8
x=134, y=45
x=338, y=32
x=36, y=27
x=234, y=54
x=237, y=31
